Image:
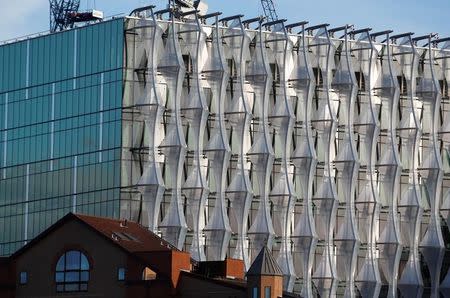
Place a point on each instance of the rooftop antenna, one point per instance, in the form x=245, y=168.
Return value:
x=65, y=13
x=269, y=10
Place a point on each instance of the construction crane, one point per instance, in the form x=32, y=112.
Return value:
x=269, y=10
x=65, y=13
x=185, y=3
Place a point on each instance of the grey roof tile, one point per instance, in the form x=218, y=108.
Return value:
x=265, y=264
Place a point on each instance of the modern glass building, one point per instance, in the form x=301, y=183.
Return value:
x=330, y=146
x=60, y=111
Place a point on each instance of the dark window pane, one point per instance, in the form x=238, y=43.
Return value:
x=60, y=264
x=23, y=278
x=83, y=287
x=121, y=274
x=72, y=276
x=72, y=287
x=84, y=276
x=59, y=288
x=59, y=277
x=84, y=263
x=73, y=260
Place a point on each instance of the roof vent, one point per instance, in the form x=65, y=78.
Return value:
x=123, y=223
x=114, y=237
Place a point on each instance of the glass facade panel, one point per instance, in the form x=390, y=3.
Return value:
x=60, y=129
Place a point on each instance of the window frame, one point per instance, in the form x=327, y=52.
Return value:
x=72, y=277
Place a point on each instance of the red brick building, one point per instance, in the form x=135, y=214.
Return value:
x=85, y=256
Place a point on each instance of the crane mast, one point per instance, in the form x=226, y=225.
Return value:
x=269, y=10
x=65, y=13
x=59, y=13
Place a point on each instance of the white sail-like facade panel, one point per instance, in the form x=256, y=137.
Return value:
x=261, y=153
x=325, y=123
x=218, y=150
x=173, y=225
x=282, y=117
x=409, y=132
x=328, y=146
x=367, y=126
x=347, y=165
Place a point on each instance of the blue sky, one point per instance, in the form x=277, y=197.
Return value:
x=23, y=17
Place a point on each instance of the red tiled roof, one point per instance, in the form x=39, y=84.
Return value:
x=129, y=235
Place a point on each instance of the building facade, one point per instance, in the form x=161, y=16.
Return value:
x=60, y=106
x=88, y=256
x=330, y=146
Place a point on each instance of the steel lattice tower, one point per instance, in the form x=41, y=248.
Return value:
x=59, y=13
x=269, y=10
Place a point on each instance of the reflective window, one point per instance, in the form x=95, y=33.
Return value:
x=255, y=292
x=63, y=125
x=23, y=278
x=267, y=292
x=121, y=274
x=72, y=272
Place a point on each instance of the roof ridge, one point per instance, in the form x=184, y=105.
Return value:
x=81, y=215
x=85, y=219
x=95, y=223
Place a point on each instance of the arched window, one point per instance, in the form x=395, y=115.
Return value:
x=72, y=272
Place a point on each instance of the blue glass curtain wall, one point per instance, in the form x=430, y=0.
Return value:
x=60, y=129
